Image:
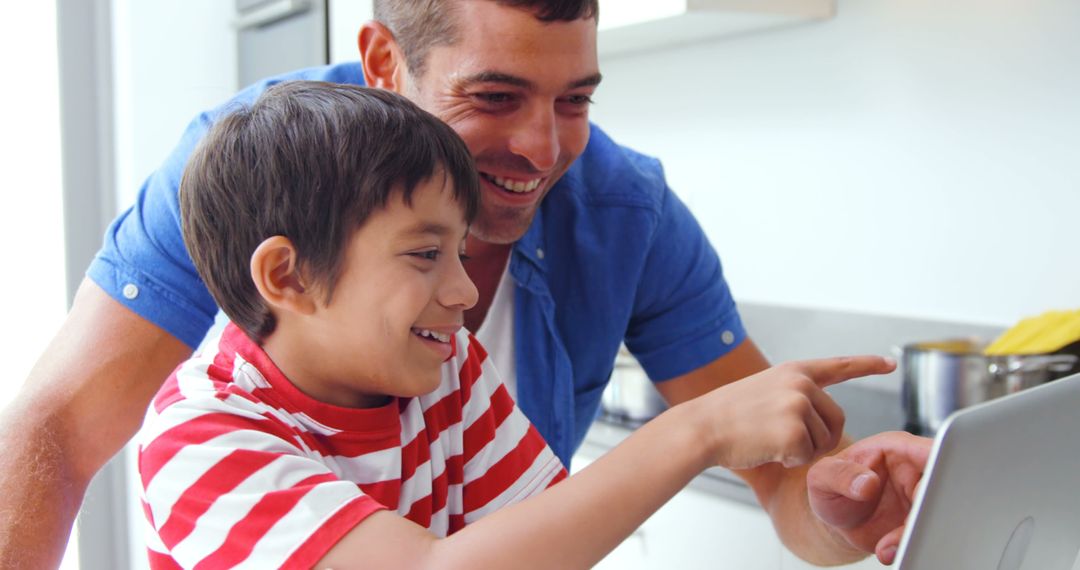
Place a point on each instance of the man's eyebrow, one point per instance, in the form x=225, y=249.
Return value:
x=521, y=82
x=590, y=81
x=495, y=77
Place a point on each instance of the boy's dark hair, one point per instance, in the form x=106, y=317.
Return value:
x=419, y=25
x=309, y=161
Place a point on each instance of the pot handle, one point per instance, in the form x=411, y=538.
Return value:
x=1049, y=362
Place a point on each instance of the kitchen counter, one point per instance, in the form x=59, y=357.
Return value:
x=868, y=411
x=871, y=405
x=606, y=434
x=716, y=521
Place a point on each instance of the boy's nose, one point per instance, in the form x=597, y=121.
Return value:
x=459, y=291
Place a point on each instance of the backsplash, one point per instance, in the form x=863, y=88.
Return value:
x=786, y=333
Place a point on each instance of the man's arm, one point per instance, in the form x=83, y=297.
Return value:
x=781, y=491
x=84, y=399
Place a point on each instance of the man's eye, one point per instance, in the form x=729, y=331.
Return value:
x=494, y=98
x=581, y=100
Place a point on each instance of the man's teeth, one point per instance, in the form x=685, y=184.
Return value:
x=515, y=185
x=433, y=335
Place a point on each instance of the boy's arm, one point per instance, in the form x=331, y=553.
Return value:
x=570, y=525
x=576, y=522
x=781, y=491
x=84, y=399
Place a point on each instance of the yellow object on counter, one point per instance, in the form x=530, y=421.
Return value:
x=1043, y=334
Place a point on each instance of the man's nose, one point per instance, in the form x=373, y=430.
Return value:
x=536, y=137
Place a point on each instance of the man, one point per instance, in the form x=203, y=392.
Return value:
x=579, y=245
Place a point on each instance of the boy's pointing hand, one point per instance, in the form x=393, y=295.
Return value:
x=781, y=414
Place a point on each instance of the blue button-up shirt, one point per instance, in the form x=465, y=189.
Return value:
x=611, y=256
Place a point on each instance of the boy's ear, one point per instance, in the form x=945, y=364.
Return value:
x=381, y=57
x=275, y=269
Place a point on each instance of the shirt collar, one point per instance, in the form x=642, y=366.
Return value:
x=532, y=246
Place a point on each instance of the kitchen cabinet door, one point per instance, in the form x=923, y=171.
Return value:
x=697, y=529
x=792, y=562
x=635, y=26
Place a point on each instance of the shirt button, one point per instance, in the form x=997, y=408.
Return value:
x=130, y=291
x=727, y=337
x=539, y=253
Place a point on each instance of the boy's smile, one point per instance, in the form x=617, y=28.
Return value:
x=399, y=300
x=437, y=341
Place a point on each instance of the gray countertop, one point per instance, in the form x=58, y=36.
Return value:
x=867, y=411
x=796, y=333
x=871, y=405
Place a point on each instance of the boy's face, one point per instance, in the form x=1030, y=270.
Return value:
x=517, y=90
x=402, y=282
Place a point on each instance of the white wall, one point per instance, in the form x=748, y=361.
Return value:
x=346, y=16
x=173, y=60
x=32, y=217
x=915, y=157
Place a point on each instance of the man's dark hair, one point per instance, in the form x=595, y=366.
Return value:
x=419, y=25
x=309, y=161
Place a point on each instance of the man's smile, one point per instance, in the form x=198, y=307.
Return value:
x=511, y=185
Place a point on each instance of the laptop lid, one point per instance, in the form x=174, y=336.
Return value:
x=1002, y=487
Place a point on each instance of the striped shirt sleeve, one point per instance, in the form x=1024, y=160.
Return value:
x=223, y=489
x=506, y=460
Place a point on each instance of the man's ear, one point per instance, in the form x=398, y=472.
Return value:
x=381, y=56
x=275, y=269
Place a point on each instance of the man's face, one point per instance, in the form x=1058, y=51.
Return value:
x=400, y=297
x=517, y=90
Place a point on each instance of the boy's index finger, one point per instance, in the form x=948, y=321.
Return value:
x=828, y=371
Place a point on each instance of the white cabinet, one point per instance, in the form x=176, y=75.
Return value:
x=696, y=530
x=345, y=18
x=628, y=26
x=792, y=562
x=701, y=530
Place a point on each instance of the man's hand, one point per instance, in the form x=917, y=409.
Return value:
x=865, y=491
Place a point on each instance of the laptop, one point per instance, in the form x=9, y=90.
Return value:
x=1002, y=488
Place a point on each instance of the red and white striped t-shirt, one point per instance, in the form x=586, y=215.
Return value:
x=240, y=468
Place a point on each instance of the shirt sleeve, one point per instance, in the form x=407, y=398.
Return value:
x=143, y=263
x=684, y=316
x=506, y=460
x=221, y=488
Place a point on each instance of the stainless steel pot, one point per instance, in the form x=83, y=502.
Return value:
x=942, y=377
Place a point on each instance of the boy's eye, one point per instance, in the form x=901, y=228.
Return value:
x=430, y=255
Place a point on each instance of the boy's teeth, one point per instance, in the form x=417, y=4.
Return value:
x=515, y=185
x=441, y=337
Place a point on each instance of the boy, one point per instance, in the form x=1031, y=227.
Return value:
x=345, y=418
